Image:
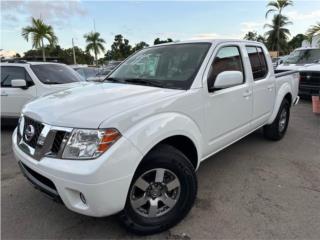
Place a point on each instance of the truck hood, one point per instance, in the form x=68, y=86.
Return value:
x=298, y=67
x=88, y=106
x=49, y=89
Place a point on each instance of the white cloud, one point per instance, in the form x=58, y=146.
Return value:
x=215, y=36
x=295, y=15
x=205, y=36
x=251, y=26
x=52, y=12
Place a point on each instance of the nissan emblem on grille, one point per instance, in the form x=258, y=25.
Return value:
x=29, y=133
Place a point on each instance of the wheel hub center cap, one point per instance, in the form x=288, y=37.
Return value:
x=155, y=190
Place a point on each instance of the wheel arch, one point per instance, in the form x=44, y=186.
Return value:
x=174, y=129
x=285, y=92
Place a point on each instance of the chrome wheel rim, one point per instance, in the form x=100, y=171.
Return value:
x=155, y=193
x=283, y=120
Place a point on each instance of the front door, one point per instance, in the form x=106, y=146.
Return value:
x=13, y=99
x=228, y=111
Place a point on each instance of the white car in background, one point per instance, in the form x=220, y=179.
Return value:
x=307, y=62
x=22, y=82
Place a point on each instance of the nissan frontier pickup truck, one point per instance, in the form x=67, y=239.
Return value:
x=131, y=145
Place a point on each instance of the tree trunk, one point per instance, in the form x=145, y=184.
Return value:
x=96, y=57
x=43, y=51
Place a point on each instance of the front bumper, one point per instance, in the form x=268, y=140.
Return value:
x=104, y=182
x=309, y=90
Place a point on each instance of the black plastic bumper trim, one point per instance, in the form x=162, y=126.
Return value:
x=51, y=193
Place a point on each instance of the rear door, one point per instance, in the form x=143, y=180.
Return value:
x=13, y=99
x=263, y=87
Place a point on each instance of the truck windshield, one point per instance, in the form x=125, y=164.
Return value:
x=304, y=56
x=169, y=66
x=55, y=74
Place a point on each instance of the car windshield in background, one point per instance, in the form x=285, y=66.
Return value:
x=304, y=56
x=169, y=66
x=55, y=74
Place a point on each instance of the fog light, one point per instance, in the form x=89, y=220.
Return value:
x=83, y=199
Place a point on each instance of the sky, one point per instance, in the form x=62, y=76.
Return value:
x=145, y=20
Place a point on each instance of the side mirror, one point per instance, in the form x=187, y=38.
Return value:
x=228, y=79
x=19, y=83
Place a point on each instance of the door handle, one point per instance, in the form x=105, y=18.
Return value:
x=247, y=94
x=4, y=94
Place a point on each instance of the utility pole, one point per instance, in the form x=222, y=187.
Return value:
x=74, y=54
x=94, y=25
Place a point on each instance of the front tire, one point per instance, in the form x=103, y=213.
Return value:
x=162, y=192
x=277, y=129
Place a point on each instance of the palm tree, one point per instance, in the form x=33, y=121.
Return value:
x=39, y=31
x=278, y=35
x=94, y=43
x=314, y=30
x=277, y=6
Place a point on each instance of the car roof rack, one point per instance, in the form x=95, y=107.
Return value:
x=16, y=61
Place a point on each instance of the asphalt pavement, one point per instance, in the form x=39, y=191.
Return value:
x=254, y=189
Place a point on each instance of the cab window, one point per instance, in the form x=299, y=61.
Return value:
x=8, y=73
x=227, y=59
x=258, y=62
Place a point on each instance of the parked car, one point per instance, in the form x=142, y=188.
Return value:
x=104, y=71
x=278, y=60
x=132, y=145
x=22, y=82
x=87, y=73
x=307, y=62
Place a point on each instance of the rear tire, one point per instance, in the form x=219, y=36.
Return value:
x=162, y=192
x=277, y=129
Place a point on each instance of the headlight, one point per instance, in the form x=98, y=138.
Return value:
x=89, y=144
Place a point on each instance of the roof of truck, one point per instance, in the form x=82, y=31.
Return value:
x=23, y=63
x=210, y=41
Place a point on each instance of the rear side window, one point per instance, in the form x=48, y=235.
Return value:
x=8, y=73
x=258, y=62
x=227, y=59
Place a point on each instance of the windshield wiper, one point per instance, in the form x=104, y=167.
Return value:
x=114, y=80
x=148, y=82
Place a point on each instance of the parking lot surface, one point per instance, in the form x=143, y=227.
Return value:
x=255, y=189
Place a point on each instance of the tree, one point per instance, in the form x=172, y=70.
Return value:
x=253, y=36
x=278, y=35
x=296, y=41
x=277, y=6
x=94, y=44
x=158, y=41
x=313, y=30
x=139, y=46
x=63, y=55
x=120, y=49
x=39, y=31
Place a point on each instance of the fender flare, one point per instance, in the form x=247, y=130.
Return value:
x=152, y=130
x=282, y=92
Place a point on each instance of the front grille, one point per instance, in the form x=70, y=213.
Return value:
x=45, y=140
x=310, y=78
x=32, y=142
x=56, y=145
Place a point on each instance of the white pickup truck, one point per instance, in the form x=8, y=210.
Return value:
x=22, y=82
x=132, y=145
